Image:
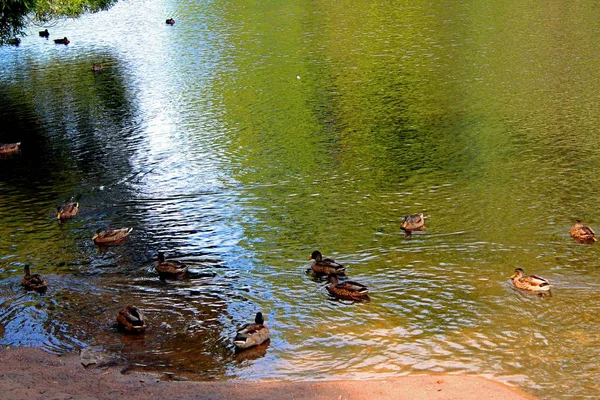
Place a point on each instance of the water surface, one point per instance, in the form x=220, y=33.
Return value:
x=248, y=135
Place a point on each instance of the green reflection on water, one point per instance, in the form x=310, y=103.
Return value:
x=327, y=122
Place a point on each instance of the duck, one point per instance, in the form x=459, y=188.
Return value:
x=14, y=41
x=346, y=290
x=530, y=283
x=251, y=335
x=325, y=266
x=62, y=41
x=412, y=222
x=45, y=33
x=10, y=148
x=131, y=319
x=170, y=21
x=97, y=68
x=33, y=282
x=170, y=269
x=111, y=236
x=66, y=211
x=582, y=233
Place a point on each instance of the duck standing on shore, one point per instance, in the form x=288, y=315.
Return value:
x=582, y=233
x=33, y=282
x=413, y=222
x=252, y=334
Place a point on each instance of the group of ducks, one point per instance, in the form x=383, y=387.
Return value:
x=46, y=34
x=131, y=319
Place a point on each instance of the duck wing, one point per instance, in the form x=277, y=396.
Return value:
x=352, y=287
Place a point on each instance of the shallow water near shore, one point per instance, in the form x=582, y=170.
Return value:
x=246, y=136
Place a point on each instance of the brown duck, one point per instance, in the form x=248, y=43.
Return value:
x=33, y=282
x=131, y=319
x=325, y=266
x=170, y=269
x=111, y=236
x=10, y=148
x=67, y=211
x=413, y=222
x=252, y=334
x=582, y=233
x=346, y=290
x=530, y=283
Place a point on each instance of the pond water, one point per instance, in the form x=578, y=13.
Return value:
x=249, y=134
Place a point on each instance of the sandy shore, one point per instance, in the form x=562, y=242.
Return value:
x=30, y=373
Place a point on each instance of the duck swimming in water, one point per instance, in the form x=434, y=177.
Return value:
x=33, y=282
x=45, y=33
x=170, y=269
x=325, y=266
x=131, y=319
x=582, y=233
x=111, y=236
x=10, y=148
x=413, y=222
x=66, y=211
x=64, y=41
x=346, y=290
x=530, y=283
x=252, y=334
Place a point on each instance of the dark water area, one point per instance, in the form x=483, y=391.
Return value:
x=247, y=135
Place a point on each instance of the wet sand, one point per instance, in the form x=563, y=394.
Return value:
x=30, y=373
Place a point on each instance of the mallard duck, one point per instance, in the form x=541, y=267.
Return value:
x=131, y=319
x=413, y=222
x=67, y=211
x=530, y=283
x=346, y=290
x=582, y=233
x=111, y=236
x=10, y=148
x=14, y=41
x=97, y=68
x=170, y=21
x=252, y=334
x=325, y=266
x=45, y=33
x=33, y=282
x=62, y=41
x=170, y=269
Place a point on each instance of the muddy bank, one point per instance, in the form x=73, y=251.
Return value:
x=30, y=373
